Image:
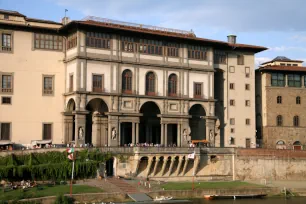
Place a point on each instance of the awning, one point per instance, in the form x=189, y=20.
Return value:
x=5, y=142
x=35, y=142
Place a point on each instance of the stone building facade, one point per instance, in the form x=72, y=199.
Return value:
x=107, y=83
x=280, y=105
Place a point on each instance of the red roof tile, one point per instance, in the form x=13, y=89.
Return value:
x=283, y=68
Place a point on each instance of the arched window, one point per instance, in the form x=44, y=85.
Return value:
x=298, y=100
x=127, y=81
x=296, y=121
x=172, y=85
x=297, y=145
x=279, y=120
x=150, y=84
x=279, y=99
x=280, y=145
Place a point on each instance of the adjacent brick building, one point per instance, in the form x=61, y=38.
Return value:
x=281, y=104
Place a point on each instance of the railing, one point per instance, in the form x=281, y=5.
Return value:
x=47, y=91
x=149, y=27
x=7, y=90
x=5, y=48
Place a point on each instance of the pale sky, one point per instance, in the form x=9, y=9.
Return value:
x=279, y=25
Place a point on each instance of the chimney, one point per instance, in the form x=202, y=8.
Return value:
x=231, y=39
x=65, y=20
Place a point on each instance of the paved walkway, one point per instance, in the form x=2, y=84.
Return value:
x=282, y=184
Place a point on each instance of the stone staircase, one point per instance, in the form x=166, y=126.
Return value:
x=122, y=185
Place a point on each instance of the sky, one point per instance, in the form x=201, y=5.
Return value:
x=279, y=25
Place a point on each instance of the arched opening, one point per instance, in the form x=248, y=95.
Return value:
x=110, y=167
x=94, y=106
x=143, y=165
x=172, y=85
x=280, y=145
x=150, y=84
x=127, y=77
x=149, y=127
x=175, y=166
x=297, y=145
x=197, y=122
x=71, y=124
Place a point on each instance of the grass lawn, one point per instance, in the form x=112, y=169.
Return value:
x=208, y=185
x=47, y=191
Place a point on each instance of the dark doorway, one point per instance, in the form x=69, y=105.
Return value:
x=150, y=129
x=248, y=143
x=95, y=105
x=172, y=134
x=197, y=122
x=110, y=167
x=126, y=134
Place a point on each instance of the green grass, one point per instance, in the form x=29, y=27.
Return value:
x=47, y=191
x=208, y=185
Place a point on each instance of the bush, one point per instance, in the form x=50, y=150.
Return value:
x=61, y=199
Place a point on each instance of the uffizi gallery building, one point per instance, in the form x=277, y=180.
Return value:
x=111, y=83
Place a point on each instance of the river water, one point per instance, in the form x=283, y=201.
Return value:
x=298, y=200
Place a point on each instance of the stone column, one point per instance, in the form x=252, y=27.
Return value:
x=96, y=137
x=166, y=135
x=137, y=133
x=210, y=131
x=133, y=133
x=164, y=167
x=196, y=163
x=185, y=166
x=162, y=139
x=179, y=166
x=286, y=80
x=179, y=132
x=68, y=127
x=303, y=80
x=150, y=162
x=156, y=165
x=119, y=134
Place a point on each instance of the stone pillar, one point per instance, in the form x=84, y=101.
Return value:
x=162, y=139
x=83, y=102
x=171, y=165
x=119, y=134
x=179, y=132
x=156, y=165
x=96, y=137
x=210, y=131
x=137, y=167
x=179, y=166
x=185, y=166
x=164, y=167
x=196, y=163
x=137, y=133
x=166, y=135
x=133, y=133
x=286, y=80
x=303, y=80
x=68, y=127
x=113, y=131
x=185, y=127
x=150, y=162
x=80, y=129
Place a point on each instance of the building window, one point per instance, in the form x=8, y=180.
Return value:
x=295, y=65
x=283, y=64
x=47, y=131
x=247, y=103
x=154, y=47
x=6, y=42
x=172, y=85
x=197, y=52
x=5, y=131
x=296, y=121
x=247, y=121
x=172, y=50
x=150, y=84
x=127, y=44
x=298, y=100
x=127, y=81
x=247, y=86
x=232, y=86
x=6, y=17
x=278, y=79
x=6, y=100
x=232, y=69
x=294, y=80
x=48, y=85
x=288, y=65
x=219, y=57
x=232, y=121
x=240, y=59
x=232, y=141
x=71, y=83
x=279, y=99
x=98, y=40
x=97, y=83
x=232, y=102
x=279, y=120
x=247, y=72
x=232, y=130
x=197, y=90
x=72, y=41
x=48, y=42
x=7, y=83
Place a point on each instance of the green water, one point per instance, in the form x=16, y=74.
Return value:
x=297, y=200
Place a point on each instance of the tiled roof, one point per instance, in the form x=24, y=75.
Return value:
x=169, y=34
x=282, y=59
x=42, y=21
x=15, y=13
x=283, y=68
